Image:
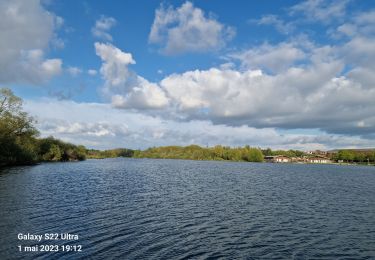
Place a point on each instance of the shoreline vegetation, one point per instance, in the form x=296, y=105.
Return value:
x=243, y=154
x=19, y=142
x=20, y=145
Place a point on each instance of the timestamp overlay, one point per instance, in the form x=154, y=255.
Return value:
x=48, y=242
x=44, y=245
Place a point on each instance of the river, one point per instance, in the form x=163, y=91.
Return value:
x=180, y=209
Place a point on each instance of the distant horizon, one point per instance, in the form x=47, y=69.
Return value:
x=281, y=74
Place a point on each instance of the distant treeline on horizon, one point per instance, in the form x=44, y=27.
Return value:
x=191, y=152
x=221, y=153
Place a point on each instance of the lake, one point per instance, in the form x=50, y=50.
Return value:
x=176, y=209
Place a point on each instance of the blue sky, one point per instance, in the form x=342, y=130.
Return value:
x=279, y=74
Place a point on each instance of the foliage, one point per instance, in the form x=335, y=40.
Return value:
x=17, y=134
x=120, y=152
x=357, y=156
x=195, y=152
x=18, y=137
x=51, y=149
x=288, y=153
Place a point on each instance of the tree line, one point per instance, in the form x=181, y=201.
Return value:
x=112, y=153
x=287, y=153
x=195, y=152
x=355, y=156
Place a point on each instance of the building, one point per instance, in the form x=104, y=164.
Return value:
x=277, y=159
x=318, y=159
x=305, y=159
x=318, y=153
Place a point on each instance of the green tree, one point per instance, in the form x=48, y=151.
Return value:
x=360, y=157
x=218, y=151
x=267, y=152
x=372, y=157
x=17, y=133
x=255, y=155
x=346, y=155
x=54, y=154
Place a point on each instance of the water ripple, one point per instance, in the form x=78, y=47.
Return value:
x=172, y=209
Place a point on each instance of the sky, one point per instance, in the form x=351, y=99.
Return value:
x=136, y=74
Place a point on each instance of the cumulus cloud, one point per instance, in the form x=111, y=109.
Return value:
x=74, y=71
x=118, y=128
x=273, y=20
x=292, y=84
x=26, y=30
x=187, y=29
x=273, y=89
x=126, y=88
x=143, y=96
x=115, y=64
x=315, y=96
x=360, y=51
x=102, y=28
x=360, y=32
x=92, y=72
x=323, y=11
x=359, y=48
x=361, y=24
x=270, y=57
x=347, y=29
x=95, y=129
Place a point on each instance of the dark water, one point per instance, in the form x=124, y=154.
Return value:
x=172, y=209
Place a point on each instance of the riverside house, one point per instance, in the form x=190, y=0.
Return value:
x=318, y=159
x=277, y=159
x=285, y=159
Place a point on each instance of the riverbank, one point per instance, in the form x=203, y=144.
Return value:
x=41, y=150
x=221, y=160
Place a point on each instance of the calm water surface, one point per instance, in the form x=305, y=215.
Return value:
x=174, y=209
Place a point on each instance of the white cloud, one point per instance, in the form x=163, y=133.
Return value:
x=115, y=64
x=270, y=57
x=323, y=11
x=143, y=96
x=273, y=90
x=92, y=72
x=366, y=18
x=360, y=51
x=280, y=25
x=347, y=29
x=310, y=97
x=119, y=128
x=289, y=85
x=26, y=30
x=361, y=24
x=50, y=68
x=127, y=89
x=102, y=26
x=74, y=71
x=97, y=129
x=187, y=29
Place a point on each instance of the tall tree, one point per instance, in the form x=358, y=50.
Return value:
x=17, y=133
